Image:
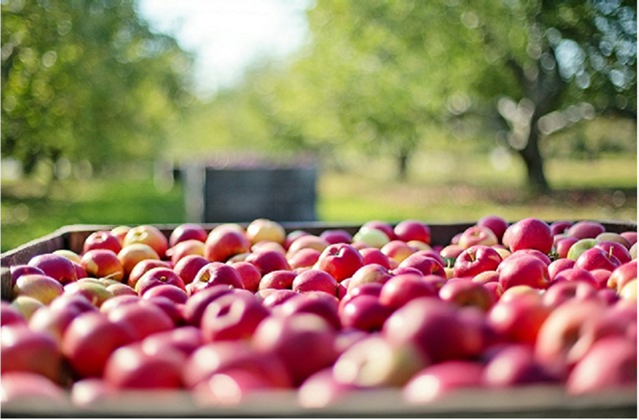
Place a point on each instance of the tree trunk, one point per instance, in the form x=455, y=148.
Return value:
x=402, y=165
x=534, y=162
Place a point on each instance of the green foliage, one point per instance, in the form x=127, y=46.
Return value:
x=86, y=80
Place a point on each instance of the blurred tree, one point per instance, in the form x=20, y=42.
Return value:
x=386, y=71
x=86, y=80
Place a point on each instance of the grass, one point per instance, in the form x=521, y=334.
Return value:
x=441, y=188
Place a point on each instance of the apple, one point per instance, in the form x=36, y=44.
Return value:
x=142, y=318
x=213, y=274
x=142, y=267
x=10, y=315
x=397, y=250
x=616, y=249
x=321, y=304
x=610, y=364
x=623, y=275
x=495, y=223
x=303, y=258
x=563, y=291
x=132, y=254
x=576, y=274
x=579, y=247
x=629, y=291
x=435, y=328
x=197, y=303
x=476, y=259
x=102, y=263
x=630, y=236
x=402, y=288
x=267, y=261
x=224, y=242
x=370, y=236
x=117, y=301
x=25, y=388
x=250, y=275
x=586, y=229
x=321, y=389
x=156, y=277
x=364, y=312
x=277, y=279
x=228, y=388
x=315, y=280
x=305, y=342
x=522, y=289
x=340, y=261
x=530, y=233
x=170, y=291
x=427, y=265
x=614, y=237
x=520, y=318
x=121, y=289
x=25, y=350
x=336, y=236
x=489, y=276
x=56, y=266
x=465, y=292
x=92, y=391
x=523, y=270
x=185, y=232
x=559, y=227
x=410, y=229
x=562, y=330
x=450, y=253
x=370, y=273
x=265, y=229
x=375, y=362
x=94, y=291
x=514, y=364
x=558, y=266
x=184, y=248
x=268, y=246
x=633, y=251
x=533, y=253
x=436, y=381
x=372, y=289
x=68, y=254
x=38, y=286
x=120, y=232
x=595, y=258
x=232, y=317
x=376, y=256
x=307, y=241
x=148, y=235
x=188, y=267
x=21, y=269
x=129, y=367
x=102, y=239
x=477, y=235
x=601, y=277
x=563, y=245
x=184, y=339
x=90, y=339
x=385, y=227
x=54, y=320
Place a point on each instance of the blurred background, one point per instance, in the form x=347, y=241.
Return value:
x=130, y=112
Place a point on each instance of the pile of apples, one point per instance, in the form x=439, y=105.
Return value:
x=241, y=309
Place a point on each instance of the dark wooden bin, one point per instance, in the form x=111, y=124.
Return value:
x=528, y=401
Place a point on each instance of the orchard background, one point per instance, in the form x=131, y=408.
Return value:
x=444, y=110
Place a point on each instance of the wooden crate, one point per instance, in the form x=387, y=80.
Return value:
x=528, y=401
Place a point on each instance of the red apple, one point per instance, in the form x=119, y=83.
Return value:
x=25, y=388
x=490, y=276
x=576, y=274
x=370, y=273
x=315, y=280
x=233, y=316
x=321, y=304
x=523, y=270
x=321, y=389
x=533, y=253
x=228, y=388
x=197, y=303
x=267, y=261
x=630, y=236
x=251, y=276
x=514, y=364
x=187, y=231
x=188, y=267
x=425, y=264
x=148, y=235
x=185, y=339
x=94, y=291
x=595, y=258
x=89, y=341
x=56, y=266
x=623, y=275
x=410, y=229
x=495, y=223
x=142, y=318
x=562, y=245
x=156, y=277
x=385, y=227
x=213, y=274
x=10, y=315
x=477, y=235
x=142, y=267
x=92, y=391
x=614, y=237
x=398, y=250
x=402, y=288
x=616, y=249
x=436, y=381
x=37, y=286
x=102, y=263
x=465, y=292
x=531, y=233
x=560, y=227
x=25, y=350
x=336, y=236
x=305, y=257
x=520, y=318
x=170, y=291
x=129, y=367
x=184, y=248
x=117, y=301
x=304, y=341
x=102, y=239
x=563, y=291
x=375, y=256
x=558, y=266
x=306, y=241
x=364, y=312
x=476, y=259
x=223, y=243
x=277, y=279
x=586, y=229
x=132, y=254
x=340, y=261
x=450, y=253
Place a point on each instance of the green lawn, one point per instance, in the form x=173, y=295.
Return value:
x=441, y=189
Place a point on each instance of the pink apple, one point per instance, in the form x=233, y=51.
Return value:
x=213, y=274
x=250, y=275
x=616, y=249
x=370, y=273
x=601, y=277
x=185, y=339
x=595, y=258
x=476, y=259
x=307, y=241
x=117, y=301
x=520, y=318
x=315, y=280
x=129, y=367
x=425, y=264
x=322, y=390
x=562, y=245
x=56, y=266
x=102, y=239
x=576, y=274
x=26, y=388
x=558, y=266
x=275, y=297
x=336, y=236
x=436, y=381
x=385, y=227
x=464, y=292
x=531, y=233
x=224, y=242
x=91, y=392
x=410, y=229
x=450, y=253
x=267, y=261
x=102, y=263
x=228, y=388
x=364, y=312
x=533, y=253
x=10, y=315
x=132, y=254
x=156, y=277
x=586, y=229
x=630, y=236
x=142, y=267
x=321, y=304
x=623, y=275
x=340, y=261
x=25, y=350
x=172, y=292
x=277, y=279
x=514, y=364
x=188, y=267
x=91, y=289
x=397, y=250
x=402, y=288
x=187, y=231
x=184, y=248
x=142, y=318
x=560, y=227
x=495, y=223
x=614, y=237
x=375, y=256
x=197, y=303
x=305, y=257
x=563, y=291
